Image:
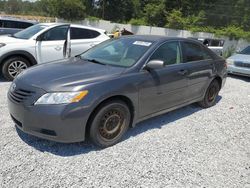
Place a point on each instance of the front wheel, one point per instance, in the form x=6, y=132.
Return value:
x=110, y=123
x=14, y=66
x=211, y=95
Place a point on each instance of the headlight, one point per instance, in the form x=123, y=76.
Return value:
x=230, y=61
x=61, y=98
x=2, y=45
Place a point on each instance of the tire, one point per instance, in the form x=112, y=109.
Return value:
x=14, y=66
x=211, y=95
x=109, y=123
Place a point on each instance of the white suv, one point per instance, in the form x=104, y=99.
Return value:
x=43, y=43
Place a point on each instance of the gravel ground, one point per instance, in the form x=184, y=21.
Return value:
x=189, y=147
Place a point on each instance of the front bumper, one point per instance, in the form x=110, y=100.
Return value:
x=60, y=123
x=232, y=69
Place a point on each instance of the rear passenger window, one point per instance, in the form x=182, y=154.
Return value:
x=194, y=52
x=79, y=33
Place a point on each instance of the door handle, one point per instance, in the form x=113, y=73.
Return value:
x=58, y=48
x=183, y=72
x=92, y=45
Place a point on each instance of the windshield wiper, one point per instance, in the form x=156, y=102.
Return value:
x=95, y=61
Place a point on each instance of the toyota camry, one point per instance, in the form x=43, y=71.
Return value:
x=111, y=87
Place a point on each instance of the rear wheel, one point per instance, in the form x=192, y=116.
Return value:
x=110, y=123
x=14, y=66
x=211, y=95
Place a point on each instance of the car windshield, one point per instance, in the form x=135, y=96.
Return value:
x=29, y=32
x=246, y=51
x=123, y=52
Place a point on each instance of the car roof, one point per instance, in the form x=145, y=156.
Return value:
x=17, y=20
x=74, y=25
x=159, y=38
x=87, y=27
x=51, y=24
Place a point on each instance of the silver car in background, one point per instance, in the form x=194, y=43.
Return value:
x=240, y=63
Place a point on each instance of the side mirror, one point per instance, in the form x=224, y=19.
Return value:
x=155, y=64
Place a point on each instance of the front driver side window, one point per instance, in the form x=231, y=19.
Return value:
x=169, y=53
x=57, y=33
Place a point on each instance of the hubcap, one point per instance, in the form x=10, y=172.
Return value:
x=212, y=94
x=16, y=67
x=111, y=124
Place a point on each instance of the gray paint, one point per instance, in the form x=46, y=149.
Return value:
x=151, y=92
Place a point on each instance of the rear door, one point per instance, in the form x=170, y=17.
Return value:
x=200, y=67
x=82, y=39
x=163, y=88
x=52, y=44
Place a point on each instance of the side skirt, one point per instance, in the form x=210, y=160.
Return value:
x=165, y=111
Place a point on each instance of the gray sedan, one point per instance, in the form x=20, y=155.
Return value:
x=113, y=86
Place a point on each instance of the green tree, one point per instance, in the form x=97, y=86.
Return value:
x=175, y=20
x=116, y=10
x=155, y=14
x=12, y=6
x=66, y=9
x=2, y=5
x=137, y=21
x=223, y=17
x=89, y=7
x=195, y=20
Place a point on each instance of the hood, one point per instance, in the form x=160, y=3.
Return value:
x=10, y=40
x=240, y=58
x=67, y=75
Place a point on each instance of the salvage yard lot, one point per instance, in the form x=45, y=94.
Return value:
x=191, y=147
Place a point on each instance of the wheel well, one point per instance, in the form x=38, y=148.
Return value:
x=118, y=97
x=31, y=61
x=219, y=80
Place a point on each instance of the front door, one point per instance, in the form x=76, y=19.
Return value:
x=52, y=44
x=163, y=88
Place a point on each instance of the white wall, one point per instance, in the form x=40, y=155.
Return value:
x=142, y=30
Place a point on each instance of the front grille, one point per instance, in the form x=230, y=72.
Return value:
x=20, y=95
x=242, y=64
